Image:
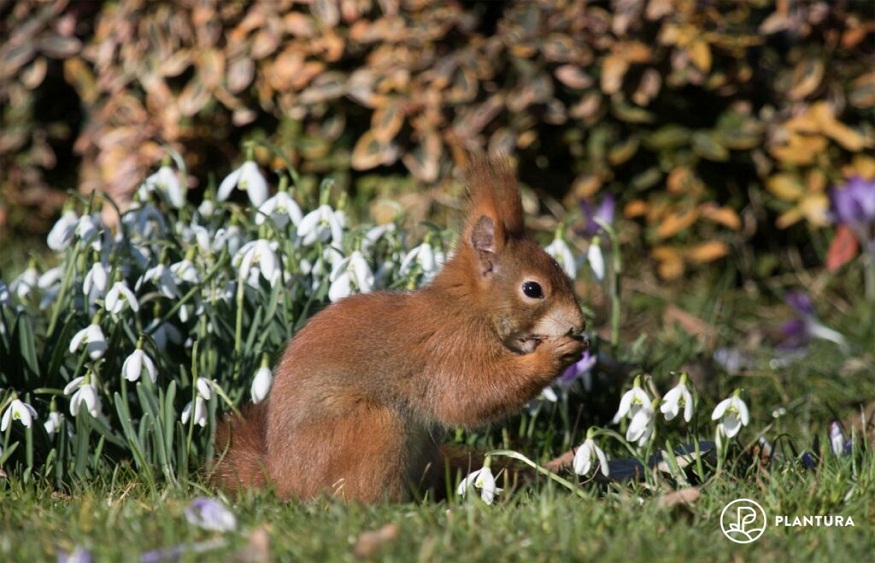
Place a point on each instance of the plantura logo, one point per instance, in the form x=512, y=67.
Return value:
x=743, y=521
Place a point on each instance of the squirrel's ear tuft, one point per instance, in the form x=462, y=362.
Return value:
x=493, y=193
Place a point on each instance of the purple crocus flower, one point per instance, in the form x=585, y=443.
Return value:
x=797, y=333
x=581, y=370
x=604, y=212
x=854, y=204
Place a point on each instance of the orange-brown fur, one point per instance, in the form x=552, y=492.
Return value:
x=363, y=392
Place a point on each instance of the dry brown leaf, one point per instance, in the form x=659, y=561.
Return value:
x=707, y=252
x=700, y=54
x=670, y=263
x=676, y=222
x=680, y=497
x=725, y=216
x=369, y=543
x=690, y=324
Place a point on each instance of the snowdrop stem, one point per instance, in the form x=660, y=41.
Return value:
x=543, y=471
x=238, y=328
x=616, y=276
x=325, y=191
x=69, y=273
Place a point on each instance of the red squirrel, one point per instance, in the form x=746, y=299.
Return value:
x=363, y=392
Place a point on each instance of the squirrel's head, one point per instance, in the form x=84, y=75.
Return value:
x=516, y=284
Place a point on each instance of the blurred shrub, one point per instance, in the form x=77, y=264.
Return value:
x=712, y=121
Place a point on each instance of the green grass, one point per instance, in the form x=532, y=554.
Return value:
x=546, y=524
x=118, y=518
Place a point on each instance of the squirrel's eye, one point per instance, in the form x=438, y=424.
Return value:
x=533, y=290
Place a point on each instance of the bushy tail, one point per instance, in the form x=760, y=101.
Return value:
x=241, y=450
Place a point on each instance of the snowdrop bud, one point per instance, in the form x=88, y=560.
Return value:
x=596, y=259
x=261, y=384
x=560, y=250
x=62, y=233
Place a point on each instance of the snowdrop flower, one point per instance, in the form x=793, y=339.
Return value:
x=137, y=363
x=323, y=224
x=197, y=410
x=49, y=284
x=18, y=410
x=163, y=280
x=676, y=398
x=53, y=423
x=732, y=413
x=144, y=222
x=93, y=339
x=87, y=231
x=280, y=209
x=84, y=394
x=641, y=427
x=351, y=273
x=424, y=258
x=5, y=296
x=548, y=394
x=596, y=259
x=185, y=270
x=483, y=480
x=258, y=257
x=210, y=514
x=62, y=233
x=261, y=383
x=201, y=236
x=95, y=282
x=165, y=180
x=230, y=238
x=632, y=401
x=247, y=178
x=586, y=454
x=118, y=296
x=25, y=282
x=560, y=250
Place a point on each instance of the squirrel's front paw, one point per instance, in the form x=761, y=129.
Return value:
x=563, y=350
